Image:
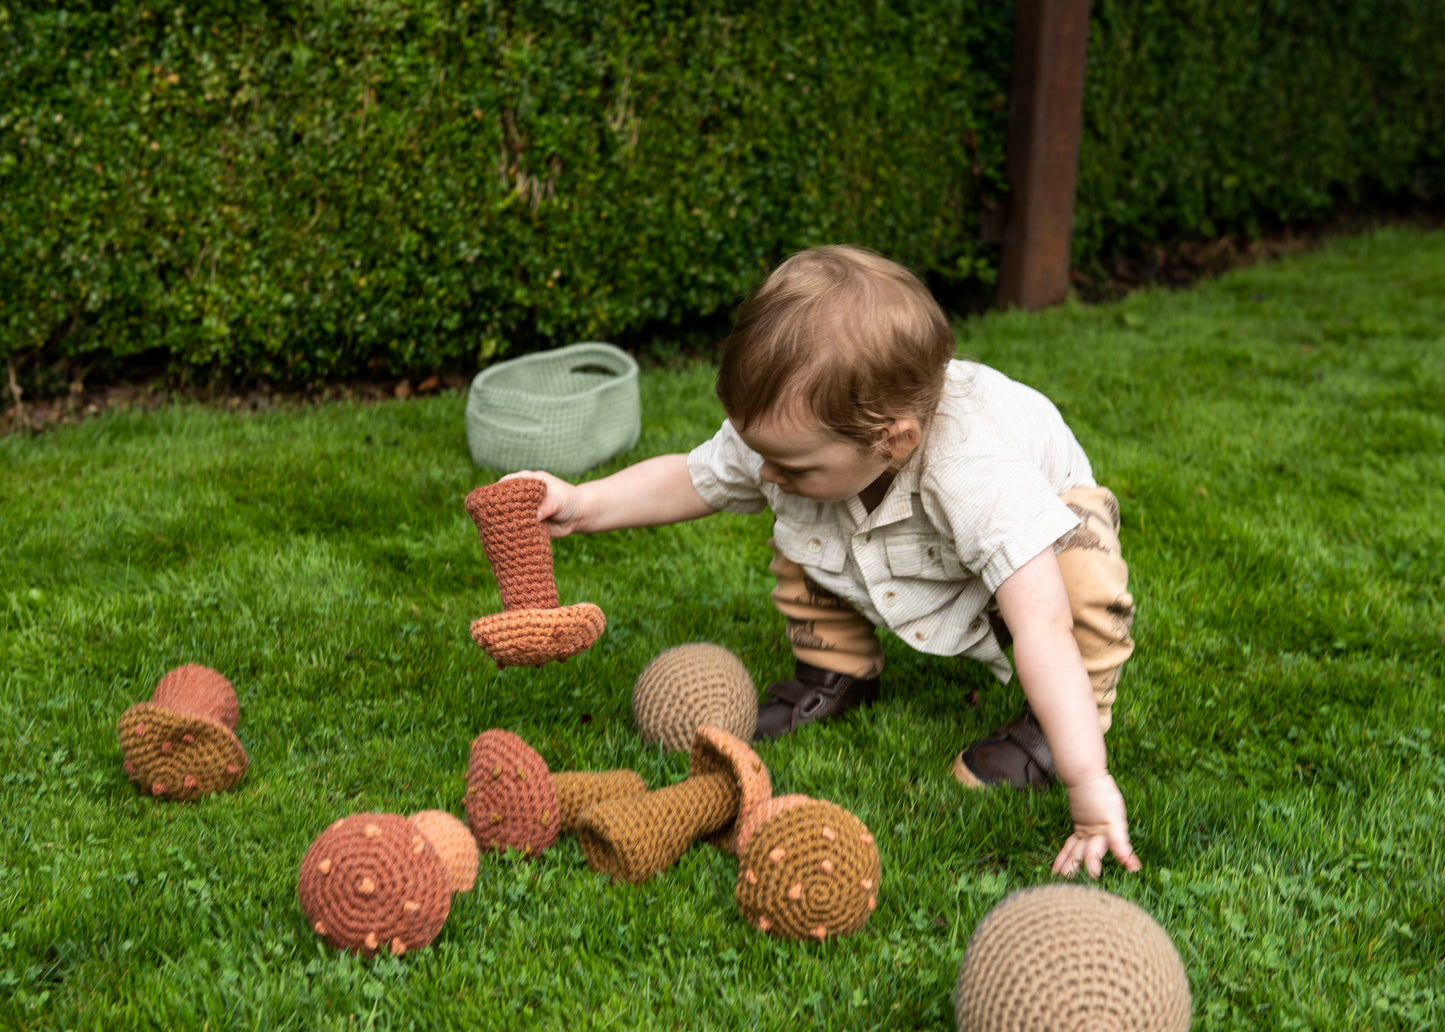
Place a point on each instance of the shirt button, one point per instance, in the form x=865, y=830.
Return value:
x=888, y=597
x=921, y=635
x=814, y=545
x=868, y=536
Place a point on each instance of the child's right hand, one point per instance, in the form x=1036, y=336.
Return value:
x=560, y=510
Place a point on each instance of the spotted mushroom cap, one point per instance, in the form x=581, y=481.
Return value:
x=174, y=755
x=453, y=842
x=717, y=751
x=511, y=802
x=372, y=881
x=1070, y=956
x=810, y=872
x=691, y=686
x=199, y=691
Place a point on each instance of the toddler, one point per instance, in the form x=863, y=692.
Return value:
x=934, y=497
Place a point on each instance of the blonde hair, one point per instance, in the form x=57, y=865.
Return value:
x=844, y=334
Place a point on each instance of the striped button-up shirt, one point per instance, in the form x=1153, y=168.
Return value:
x=975, y=502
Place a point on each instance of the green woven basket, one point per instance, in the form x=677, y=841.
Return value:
x=562, y=411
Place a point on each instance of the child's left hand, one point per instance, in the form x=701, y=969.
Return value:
x=1100, y=826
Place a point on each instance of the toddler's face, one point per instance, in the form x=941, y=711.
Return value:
x=804, y=458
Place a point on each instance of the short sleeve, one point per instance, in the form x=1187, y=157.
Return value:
x=1012, y=516
x=727, y=474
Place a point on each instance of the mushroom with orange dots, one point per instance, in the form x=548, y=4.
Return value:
x=182, y=743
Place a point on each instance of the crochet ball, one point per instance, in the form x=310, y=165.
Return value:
x=373, y=882
x=1070, y=956
x=692, y=686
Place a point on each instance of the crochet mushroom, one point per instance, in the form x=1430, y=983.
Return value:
x=514, y=802
x=691, y=686
x=182, y=743
x=533, y=627
x=1070, y=956
x=807, y=868
x=633, y=838
x=373, y=881
x=454, y=844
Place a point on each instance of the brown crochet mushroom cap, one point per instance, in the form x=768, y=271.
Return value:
x=181, y=745
x=810, y=872
x=691, y=686
x=510, y=801
x=372, y=881
x=534, y=627
x=1070, y=956
x=453, y=842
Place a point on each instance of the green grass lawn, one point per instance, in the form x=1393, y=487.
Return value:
x=1277, y=441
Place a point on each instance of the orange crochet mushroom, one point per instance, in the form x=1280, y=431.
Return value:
x=633, y=838
x=182, y=743
x=533, y=628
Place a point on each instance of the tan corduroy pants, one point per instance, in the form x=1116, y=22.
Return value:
x=827, y=632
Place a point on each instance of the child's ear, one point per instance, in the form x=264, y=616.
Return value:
x=903, y=436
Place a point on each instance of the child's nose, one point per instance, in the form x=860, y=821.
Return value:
x=772, y=474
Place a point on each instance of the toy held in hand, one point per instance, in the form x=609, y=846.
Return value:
x=182, y=743
x=691, y=686
x=533, y=628
x=1070, y=956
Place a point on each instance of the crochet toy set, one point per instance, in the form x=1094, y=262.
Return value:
x=807, y=868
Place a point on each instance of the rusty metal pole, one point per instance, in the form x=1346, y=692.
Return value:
x=1046, y=108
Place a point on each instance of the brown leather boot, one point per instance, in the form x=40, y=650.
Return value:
x=812, y=694
x=1016, y=754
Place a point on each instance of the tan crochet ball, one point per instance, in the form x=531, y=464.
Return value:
x=810, y=872
x=181, y=744
x=1070, y=956
x=454, y=844
x=372, y=881
x=691, y=686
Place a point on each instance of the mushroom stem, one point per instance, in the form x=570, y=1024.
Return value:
x=634, y=837
x=516, y=543
x=578, y=791
x=533, y=628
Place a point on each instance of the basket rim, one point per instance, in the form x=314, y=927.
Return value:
x=569, y=352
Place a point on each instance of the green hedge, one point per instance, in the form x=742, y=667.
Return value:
x=299, y=191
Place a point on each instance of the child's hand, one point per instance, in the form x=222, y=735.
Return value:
x=561, y=508
x=1100, y=827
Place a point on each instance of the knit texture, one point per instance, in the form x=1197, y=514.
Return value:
x=691, y=686
x=511, y=802
x=1070, y=956
x=201, y=692
x=715, y=750
x=631, y=839
x=579, y=791
x=810, y=872
x=372, y=881
x=533, y=629
x=181, y=745
x=453, y=842
x=535, y=637
x=753, y=819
